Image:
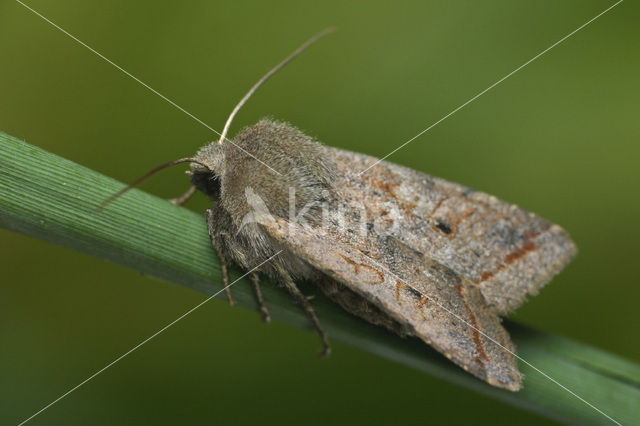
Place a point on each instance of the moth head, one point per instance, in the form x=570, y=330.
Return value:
x=207, y=169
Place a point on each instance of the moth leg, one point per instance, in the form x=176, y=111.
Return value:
x=255, y=283
x=308, y=309
x=184, y=197
x=223, y=258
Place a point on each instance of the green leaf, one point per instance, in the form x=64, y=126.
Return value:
x=54, y=199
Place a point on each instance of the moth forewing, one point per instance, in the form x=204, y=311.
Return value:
x=508, y=252
x=428, y=299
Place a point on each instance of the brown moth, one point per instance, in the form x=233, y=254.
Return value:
x=417, y=254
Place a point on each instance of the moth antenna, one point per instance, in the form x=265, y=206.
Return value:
x=264, y=78
x=148, y=175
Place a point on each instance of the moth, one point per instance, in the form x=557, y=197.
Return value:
x=419, y=255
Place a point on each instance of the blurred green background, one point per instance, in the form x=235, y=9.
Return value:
x=560, y=138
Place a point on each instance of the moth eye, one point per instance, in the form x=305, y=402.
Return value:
x=444, y=227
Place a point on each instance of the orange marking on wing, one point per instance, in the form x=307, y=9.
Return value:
x=357, y=270
x=390, y=188
x=486, y=275
x=482, y=353
x=512, y=257
x=468, y=212
x=385, y=186
x=437, y=206
x=399, y=286
x=527, y=247
x=530, y=234
x=422, y=302
x=408, y=207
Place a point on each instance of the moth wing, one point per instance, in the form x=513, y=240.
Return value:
x=429, y=299
x=507, y=252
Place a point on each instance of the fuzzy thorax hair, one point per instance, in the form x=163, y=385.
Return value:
x=237, y=165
